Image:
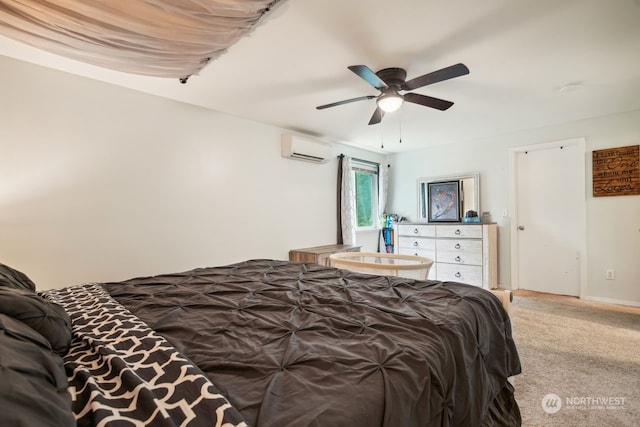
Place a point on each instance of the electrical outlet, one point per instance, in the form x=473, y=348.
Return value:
x=610, y=275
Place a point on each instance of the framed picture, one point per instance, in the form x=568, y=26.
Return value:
x=444, y=201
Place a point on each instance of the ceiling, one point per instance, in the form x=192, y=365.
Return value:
x=533, y=63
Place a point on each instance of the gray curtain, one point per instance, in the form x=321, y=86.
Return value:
x=383, y=187
x=347, y=204
x=339, y=239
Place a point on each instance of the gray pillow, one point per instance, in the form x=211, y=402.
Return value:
x=44, y=317
x=33, y=383
x=12, y=278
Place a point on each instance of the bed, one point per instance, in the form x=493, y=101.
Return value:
x=257, y=343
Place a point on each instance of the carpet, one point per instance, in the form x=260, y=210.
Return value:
x=580, y=361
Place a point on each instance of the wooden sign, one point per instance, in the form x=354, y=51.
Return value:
x=616, y=171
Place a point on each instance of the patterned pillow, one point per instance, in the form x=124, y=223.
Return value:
x=12, y=278
x=44, y=317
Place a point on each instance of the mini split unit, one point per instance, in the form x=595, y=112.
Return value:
x=298, y=147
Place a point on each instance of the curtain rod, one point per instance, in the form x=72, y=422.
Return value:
x=364, y=161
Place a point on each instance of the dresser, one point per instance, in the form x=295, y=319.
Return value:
x=319, y=254
x=466, y=253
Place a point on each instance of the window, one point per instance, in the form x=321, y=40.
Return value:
x=366, y=179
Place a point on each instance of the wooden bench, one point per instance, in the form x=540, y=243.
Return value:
x=504, y=295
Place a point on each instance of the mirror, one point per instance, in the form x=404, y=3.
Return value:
x=448, y=198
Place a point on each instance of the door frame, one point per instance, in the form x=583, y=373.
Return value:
x=513, y=191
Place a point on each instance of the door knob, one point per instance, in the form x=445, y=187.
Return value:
x=521, y=227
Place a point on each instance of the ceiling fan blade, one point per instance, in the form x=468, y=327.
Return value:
x=369, y=76
x=436, y=76
x=377, y=116
x=427, y=101
x=346, y=101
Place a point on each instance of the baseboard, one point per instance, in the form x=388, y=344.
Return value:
x=613, y=301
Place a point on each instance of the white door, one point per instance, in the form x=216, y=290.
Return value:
x=550, y=223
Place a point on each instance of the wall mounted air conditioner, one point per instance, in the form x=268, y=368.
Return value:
x=303, y=148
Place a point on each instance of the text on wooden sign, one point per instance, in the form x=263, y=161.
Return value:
x=616, y=171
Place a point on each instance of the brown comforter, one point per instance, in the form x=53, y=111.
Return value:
x=298, y=345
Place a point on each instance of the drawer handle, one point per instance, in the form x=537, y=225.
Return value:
x=415, y=244
x=457, y=231
x=458, y=275
x=458, y=259
x=457, y=245
x=415, y=231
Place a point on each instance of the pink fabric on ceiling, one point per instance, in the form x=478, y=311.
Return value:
x=160, y=38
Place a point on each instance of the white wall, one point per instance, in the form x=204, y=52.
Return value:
x=613, y=240
x=102, y=183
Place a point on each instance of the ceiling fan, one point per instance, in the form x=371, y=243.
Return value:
x=391, y=81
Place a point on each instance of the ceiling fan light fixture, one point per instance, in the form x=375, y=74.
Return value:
x=390, y=81
x=390, y=101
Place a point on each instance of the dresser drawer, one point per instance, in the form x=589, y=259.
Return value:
x=418, y=230
x=427, y=253
x=470, y=274
x=457, y=231
x=459, y=251
x=417, y=243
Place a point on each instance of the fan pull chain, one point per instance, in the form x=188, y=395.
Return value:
x=400, y=125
